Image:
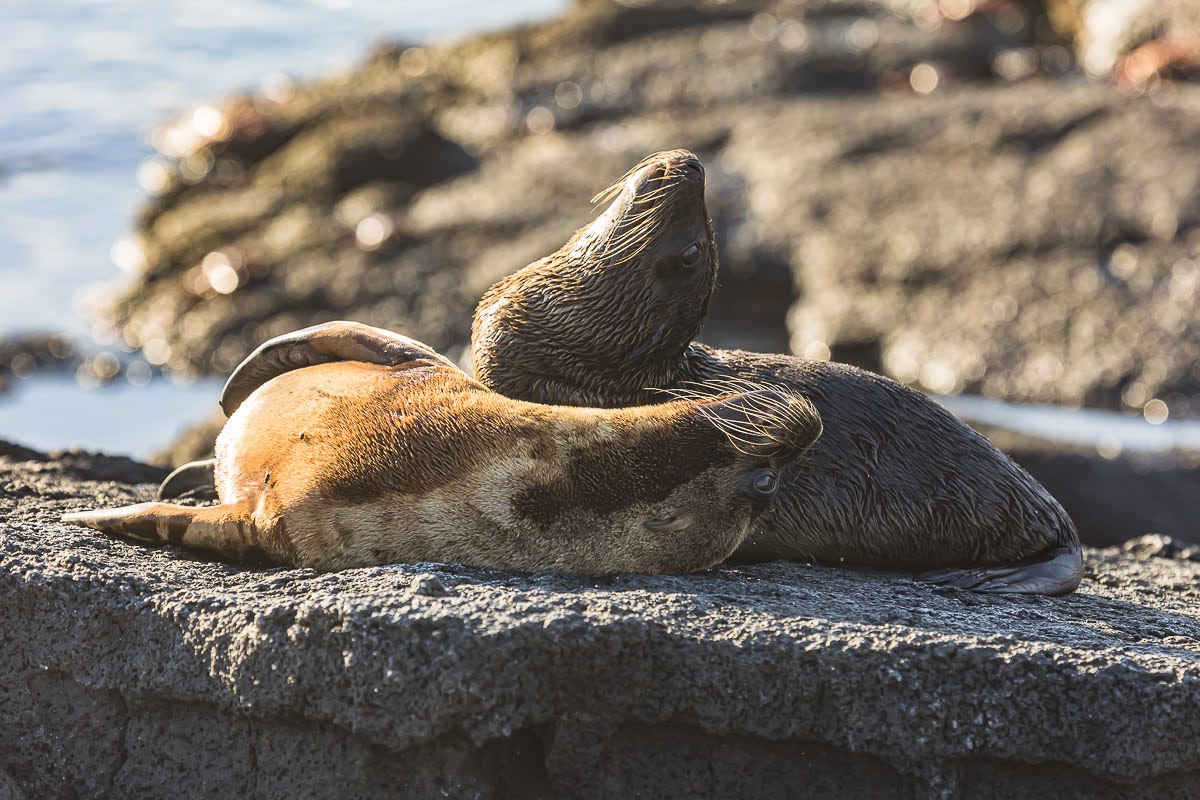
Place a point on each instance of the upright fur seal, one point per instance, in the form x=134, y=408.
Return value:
x=344, y=464
x=895, y=481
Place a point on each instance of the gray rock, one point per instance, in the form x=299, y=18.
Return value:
x=133, y=672
x=469, y=160
x=1034, y=242
x=1157, y=545
x=21, y=356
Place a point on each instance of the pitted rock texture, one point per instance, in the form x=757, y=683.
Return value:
x=1034, y=240
x=133, y=672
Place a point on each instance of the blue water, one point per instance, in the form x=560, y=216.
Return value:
x=1110, y=432
x=54, y=412
x=82, y=84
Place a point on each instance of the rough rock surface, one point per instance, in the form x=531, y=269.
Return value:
x=1033, y=240
x=132, y=673
x=21, y=356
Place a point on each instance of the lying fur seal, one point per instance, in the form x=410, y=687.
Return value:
x=348, y=464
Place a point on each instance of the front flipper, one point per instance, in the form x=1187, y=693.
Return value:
x=1055, y=572
x=321, y=344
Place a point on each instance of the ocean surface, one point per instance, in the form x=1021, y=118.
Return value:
x=83, y=82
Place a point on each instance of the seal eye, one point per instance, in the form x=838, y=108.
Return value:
x=762, y=483
x=690, y=256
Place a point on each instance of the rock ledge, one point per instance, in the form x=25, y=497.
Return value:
x=134, y=673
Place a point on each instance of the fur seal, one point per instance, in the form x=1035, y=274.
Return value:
x=334, y=463
x=609, y=320
x=896, y=481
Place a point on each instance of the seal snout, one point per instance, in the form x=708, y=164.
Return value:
x=662, y=173
x=692, y=164
x=766, y=422
x=670, y=167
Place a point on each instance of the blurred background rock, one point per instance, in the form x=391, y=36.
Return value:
x=994, y=197
x=900, y=185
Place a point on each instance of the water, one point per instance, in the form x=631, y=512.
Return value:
x=82, y=82
x=1108, y=431
x=119, y=418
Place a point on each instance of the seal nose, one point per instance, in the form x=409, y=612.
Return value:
x=693, y=164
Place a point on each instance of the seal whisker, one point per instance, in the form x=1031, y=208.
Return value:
x=607, y=194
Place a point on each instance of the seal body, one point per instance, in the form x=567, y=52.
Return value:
x=895, y=481
x=349, y=464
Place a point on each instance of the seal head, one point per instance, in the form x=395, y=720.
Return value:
x=613, y=311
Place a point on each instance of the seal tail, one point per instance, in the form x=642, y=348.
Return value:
x=1053, y=572
x=197, y=478
x=226, y=530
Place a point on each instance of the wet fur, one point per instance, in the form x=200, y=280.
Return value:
x=350, y=464
x=895, y=481
x=538, y=315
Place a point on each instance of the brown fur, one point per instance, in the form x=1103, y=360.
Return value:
x=349, y=464
x=896, y=481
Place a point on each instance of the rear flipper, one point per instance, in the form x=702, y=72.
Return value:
x=1054, y=572
x=196, y=479
x=321, y=344
x=227, y=531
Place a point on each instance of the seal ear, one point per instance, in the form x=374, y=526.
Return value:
x=767, y=422
x=322, y=344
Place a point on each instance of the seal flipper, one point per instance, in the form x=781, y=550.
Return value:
x=1054, y=572
x=197, y=478
x=226, y=530
x=321, y=344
